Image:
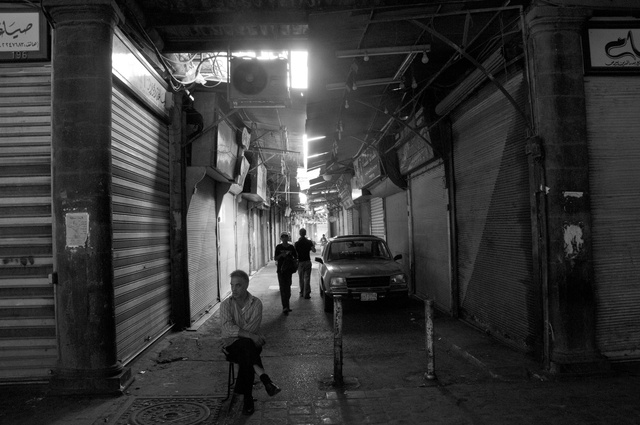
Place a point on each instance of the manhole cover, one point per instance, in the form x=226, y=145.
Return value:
x=174, y=410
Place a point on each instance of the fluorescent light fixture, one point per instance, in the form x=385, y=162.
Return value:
x=318, y=154
x=379, y=51
x=363, y=83
x=315, y=138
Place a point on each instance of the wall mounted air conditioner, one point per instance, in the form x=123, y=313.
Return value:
x=256, y=83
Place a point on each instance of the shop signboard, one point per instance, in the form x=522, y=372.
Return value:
x=367, y=167
x=24, y=35
x=612, y=47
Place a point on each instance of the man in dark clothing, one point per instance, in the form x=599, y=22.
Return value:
x=285, y=256
x=303, y=247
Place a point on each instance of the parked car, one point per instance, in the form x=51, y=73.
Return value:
x=360, y=267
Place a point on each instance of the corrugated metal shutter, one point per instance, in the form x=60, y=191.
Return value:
x=377, y=218
x=397, y=224
x=27, y=319
x=202, y=249
x=140, y=185
x=242, y=247
x=227, y=242
x=613, y=126
x=349, y=223
x=493, y=216
x=430, y=222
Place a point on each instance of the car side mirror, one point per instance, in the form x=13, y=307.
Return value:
x=319, y=260
x=397, y=257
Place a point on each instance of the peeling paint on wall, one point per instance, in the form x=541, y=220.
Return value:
x=573, y=241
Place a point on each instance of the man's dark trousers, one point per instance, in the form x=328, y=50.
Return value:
x=246, y=354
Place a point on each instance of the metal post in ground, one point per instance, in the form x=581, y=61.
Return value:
x=428, y=317
x=338, y=380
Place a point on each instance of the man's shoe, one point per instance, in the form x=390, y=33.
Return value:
x=285, y=311
x=272, y=389
x=248, y=408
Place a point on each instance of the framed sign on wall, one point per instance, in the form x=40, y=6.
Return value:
x=24, y=35
x=612, y=47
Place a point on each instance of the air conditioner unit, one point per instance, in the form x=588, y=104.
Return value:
x=255, y=83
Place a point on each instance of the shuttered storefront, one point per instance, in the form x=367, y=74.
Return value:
x=377, y=218
x=242, y=236
x=227, y=242
x=140, y=185
x=27, y=318
x=613, y=126
x=202, y=249
x=349, y=221
x=494, y=267
x=430, y=223
x=397, y=224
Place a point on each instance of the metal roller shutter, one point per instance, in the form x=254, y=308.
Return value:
x=202, y=249
x=28, y=347
x=493, y=216
x=349, y=222
x=377, y=218
x=614, y=171
x=140, y=186
x=430, y=222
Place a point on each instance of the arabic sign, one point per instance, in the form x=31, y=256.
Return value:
x=137, y=74
x=367, y=167
x=613, y=49
x=23, y=35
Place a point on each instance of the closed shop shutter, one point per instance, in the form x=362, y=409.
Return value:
x=227, y=242
x=202, y=257
x=140, y=185
x=397, y=224
x=242, y=237
x=493, y=216
x=613, y=126
x=430, y=223
x=27, y=318
x=377, y=218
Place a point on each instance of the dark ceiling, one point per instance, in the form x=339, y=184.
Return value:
x=391, y=83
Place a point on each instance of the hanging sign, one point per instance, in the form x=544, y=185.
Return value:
x=613, y=50
x=24, y=35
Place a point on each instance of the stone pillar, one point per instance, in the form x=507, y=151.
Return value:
x=556, y=68
x=83, y=239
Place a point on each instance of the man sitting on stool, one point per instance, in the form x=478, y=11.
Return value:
x=240, y=317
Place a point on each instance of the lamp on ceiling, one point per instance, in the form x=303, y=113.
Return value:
x=425, y=58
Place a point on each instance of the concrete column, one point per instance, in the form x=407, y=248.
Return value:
x=556, y=67
x=83, y=240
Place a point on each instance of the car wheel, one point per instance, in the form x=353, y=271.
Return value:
x=328, y=302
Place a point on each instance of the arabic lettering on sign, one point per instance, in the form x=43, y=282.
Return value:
x=130, y=69
x=614, y=48
x=19, y=31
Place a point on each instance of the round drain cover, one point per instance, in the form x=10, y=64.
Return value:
x=183, y=413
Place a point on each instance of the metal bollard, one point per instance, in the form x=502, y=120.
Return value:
x=337, y=341
x=428, y=316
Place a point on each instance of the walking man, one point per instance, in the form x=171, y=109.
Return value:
x=241, y=317
x=303, y=247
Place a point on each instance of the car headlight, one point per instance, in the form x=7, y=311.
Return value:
x=338, y=281
x=399, y=279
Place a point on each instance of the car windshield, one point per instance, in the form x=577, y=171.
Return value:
x=352, y=249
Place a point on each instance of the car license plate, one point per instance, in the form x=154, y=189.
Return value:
x=368, y=296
